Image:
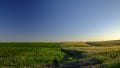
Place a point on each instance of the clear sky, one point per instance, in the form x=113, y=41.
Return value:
x=59, y=20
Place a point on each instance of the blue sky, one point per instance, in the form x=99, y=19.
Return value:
x=59, y=20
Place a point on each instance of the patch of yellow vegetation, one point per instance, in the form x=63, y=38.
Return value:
x=76, y=44
x=94, y=49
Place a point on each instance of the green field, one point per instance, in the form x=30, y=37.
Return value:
x=39, y=55
x=29, y=54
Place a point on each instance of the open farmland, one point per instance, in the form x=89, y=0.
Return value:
x=28, y=54
x=107, y=52
x=60, y=55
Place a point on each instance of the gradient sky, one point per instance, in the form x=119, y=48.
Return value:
x=59, y=20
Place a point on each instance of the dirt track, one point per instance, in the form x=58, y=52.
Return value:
x=87, y=63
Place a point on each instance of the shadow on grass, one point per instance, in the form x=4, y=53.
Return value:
x=72, y=60
x=73, y=55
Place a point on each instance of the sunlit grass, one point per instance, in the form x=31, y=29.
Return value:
x=29, y=54
x=109, y=57
x=95, y=49
x=37, y=54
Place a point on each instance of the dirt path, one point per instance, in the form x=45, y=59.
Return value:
x=76, y=55
x=87, y=62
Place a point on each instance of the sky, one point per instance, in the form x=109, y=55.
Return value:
x=59, y=20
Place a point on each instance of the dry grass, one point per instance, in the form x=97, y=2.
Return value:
x=94, y=49
x=76, y=44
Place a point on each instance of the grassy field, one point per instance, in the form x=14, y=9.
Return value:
x=107, y=52
x=36, y=55
x=29, y=54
